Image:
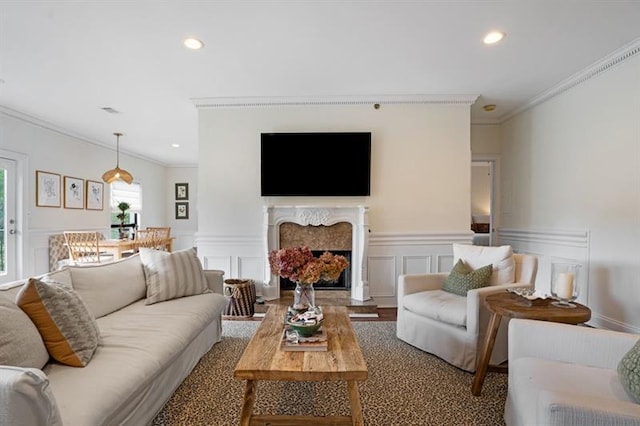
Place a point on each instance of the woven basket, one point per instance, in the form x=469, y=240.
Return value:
x=241, y=296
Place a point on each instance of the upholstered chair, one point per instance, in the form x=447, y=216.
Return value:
x=568, y=375
x=451, y=326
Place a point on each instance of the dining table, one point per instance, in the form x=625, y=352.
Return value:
x=119, y=246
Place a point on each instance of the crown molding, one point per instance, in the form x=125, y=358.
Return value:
x=37, y=122
x=617, y=57
x=275, y=101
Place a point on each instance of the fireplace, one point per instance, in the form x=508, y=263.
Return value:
x=339, y=230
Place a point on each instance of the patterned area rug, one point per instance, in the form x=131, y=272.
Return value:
x=405, y=387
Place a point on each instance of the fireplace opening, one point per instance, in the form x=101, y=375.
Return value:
x=342, y=283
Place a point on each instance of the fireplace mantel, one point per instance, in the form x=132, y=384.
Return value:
x=358, y=216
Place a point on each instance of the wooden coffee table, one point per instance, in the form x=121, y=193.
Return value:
x=264, y=360
x=513, y=306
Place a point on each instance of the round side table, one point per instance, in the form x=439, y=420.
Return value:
x=510, y=305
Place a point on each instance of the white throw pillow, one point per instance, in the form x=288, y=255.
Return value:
x=111, y=286
x=20, y=342
x=172, y=275
x=504, y=266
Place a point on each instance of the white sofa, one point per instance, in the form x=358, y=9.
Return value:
x=565, y=375
x=144, y=352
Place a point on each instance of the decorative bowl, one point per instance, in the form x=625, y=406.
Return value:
x=305, y=330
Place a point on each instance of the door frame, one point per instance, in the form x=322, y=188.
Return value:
x=22, y=212
x=494, y=192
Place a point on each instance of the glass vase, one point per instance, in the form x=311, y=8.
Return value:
x=304, y=297
x=564, y=283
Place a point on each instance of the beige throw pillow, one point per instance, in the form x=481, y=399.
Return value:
x=172, y=275
x=20, y=342
x=501, y=259
x=69, y=331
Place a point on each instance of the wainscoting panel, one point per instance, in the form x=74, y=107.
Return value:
x=411, y=254
x=382, y=276
x=250, y=267
x=549, y=247
x=416, y=264
x=221, y=263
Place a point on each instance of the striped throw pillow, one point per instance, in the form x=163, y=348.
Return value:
x=172, y=275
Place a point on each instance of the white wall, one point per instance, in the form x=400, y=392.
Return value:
x=571, y=168
x=420, y=179
x=54, y=152
x=480, y=189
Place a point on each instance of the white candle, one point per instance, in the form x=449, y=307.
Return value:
x=564, y=285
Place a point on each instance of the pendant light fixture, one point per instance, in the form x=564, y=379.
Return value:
x=113, y=175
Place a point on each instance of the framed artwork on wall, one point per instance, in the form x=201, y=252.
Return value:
x=95, y=197
x=182, y=191
x=47, y=189
x=182, y=210
x=73, y=193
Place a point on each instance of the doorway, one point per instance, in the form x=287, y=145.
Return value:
x=483, y=173
x=8, y=229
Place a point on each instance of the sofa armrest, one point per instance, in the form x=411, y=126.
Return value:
x=568, y=343
x=26, y=399
x=215, y=280
x=561, y=409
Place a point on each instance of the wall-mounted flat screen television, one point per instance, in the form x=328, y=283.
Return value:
x=315, y=164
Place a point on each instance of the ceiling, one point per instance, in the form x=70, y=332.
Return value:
x=62, y=61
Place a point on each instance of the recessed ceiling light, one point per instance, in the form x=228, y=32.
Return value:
x=493, y=37
x=489, y=107
x=110, y=110
x=193, y=43
x=175, y=145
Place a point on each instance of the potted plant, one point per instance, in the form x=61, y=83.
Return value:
x=123, y=207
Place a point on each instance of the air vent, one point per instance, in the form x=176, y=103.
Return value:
x=110, y=110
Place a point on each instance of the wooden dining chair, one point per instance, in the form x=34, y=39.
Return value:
x=150, y=238
x=164, y=232
x=84, y=247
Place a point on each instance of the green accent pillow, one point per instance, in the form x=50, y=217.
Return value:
x=629, y=372
x=462, y=278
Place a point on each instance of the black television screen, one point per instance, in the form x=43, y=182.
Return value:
x=315, y=164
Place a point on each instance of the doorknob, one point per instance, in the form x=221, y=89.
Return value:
x=12, y=231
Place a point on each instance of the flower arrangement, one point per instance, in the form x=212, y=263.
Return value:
x=299, y=265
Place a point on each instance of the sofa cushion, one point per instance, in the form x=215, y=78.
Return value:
x=629, y=372
x=28, y=394
x=69, y=331
x=439, y=305
x=172, y=275
x=462, y=278
x=62, y=276
x=111, y=286
x=504, y=267
x=20, y=341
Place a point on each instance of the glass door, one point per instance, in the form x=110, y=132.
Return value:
x=8, y=234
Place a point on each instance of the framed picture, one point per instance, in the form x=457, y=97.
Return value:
x=95, y=191
x=73, y=193
x=182, y=210
x=47, y=189
x=182, y=191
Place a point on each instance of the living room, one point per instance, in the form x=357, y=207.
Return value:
x=567, y=186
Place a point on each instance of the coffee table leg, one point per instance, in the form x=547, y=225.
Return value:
x=247, y=402
x=483, y=360
x=356, y=407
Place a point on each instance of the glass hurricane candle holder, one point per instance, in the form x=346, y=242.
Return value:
x=564, y=284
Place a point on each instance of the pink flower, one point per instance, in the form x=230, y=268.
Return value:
x=299, y=265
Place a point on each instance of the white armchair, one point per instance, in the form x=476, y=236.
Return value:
x=566, y=375
x=453, y=327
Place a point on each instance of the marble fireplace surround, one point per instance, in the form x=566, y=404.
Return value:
x=357, y=216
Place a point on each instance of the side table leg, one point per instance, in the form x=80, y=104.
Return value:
x=356, y=407
x=483, y=360
x=247, y=403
